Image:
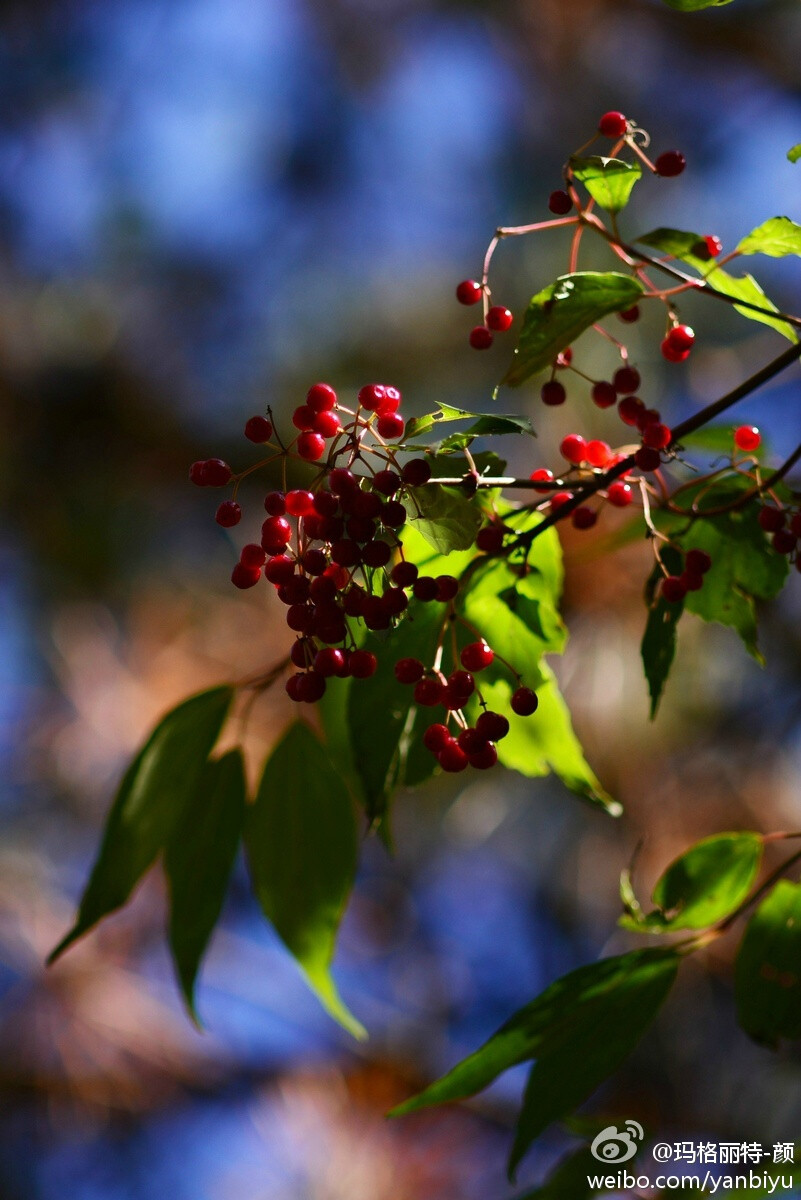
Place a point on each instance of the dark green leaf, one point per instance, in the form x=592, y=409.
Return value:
x=560, y=312
x=704, y=885
x=659, y=640
x=794, y=153
x=608, y=180
x=777, y=238
x=446, y=518
x=579, y=1030
x=198, y=862
x=302, y=849
x=682, y=244
x=768, y=970
x=157, y=787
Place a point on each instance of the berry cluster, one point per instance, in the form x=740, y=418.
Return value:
x=496, y=320
x=784, y=526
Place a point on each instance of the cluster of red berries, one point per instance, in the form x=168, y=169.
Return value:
x=696, y=565
x=497, y=320
x=469, y=745
x=784, y=527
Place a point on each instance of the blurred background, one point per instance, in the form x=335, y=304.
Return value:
x=204, y=208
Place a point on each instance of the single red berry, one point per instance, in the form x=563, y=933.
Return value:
x=303, y=417
x=329, y=661
x=276, y=529
x=630, y=315
x=647, y=416
x=499, y=318
x=326, y=504
x=425, y=588
x=469, y=291
x=258, y=429
x=295, y=590
x=560, y=498
x=584, y=517
x=279, y=570
x=321, y=397
x=252, y=555
x=393, y=514
x=452, y=758
x=326, y=424
x=345, y=552
x=490, y=539
x=428, y=692
x=693, y=582
x=671, y=353
x=656, y=435
x=483, y=757
x=477, y=656
x=670, y=163
x=299, y=503
x=681, y=337
x=480, y=337
x=471, y=740
x=363, y=504
x=394, y=601
x=784, y=541
x=435, y=737
x=322, y=589
x=524, y=702
x=229, y=513
x=391, y=426
x=447, y=588
x=376, y=554
x=315, y=562
x=604, y=394
x=629, y=409
x=713, y=245
x=626, y=380
x=613, y=125
x=275, y=504
x=404, y=574
x=620, y=494
x=771, y=519
x=300, y=618
x=371, y=395
x=559, y=202
x=342, y=481
x=302, y=652
x=197, y=473
x=747, y=437
x=294, y=687
x=362, y=664
x=416, y=472
x=598, y=453
x=647, y=459
x=392, y=400
x=544, y=476
x=461, y=684
x=312, y=687
x=493, y=726
x=386, y=482
x=553, y=392
x=245, y=577
x=573, y=448
x=311, y=446
x=216, y=473
x=674, y=589
x=697, y=562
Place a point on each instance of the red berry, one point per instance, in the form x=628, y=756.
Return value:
x=553, y=392
x=371, y=395
x=252, y=555
x=275, y=504
x=674, y=589
x=329, y=661
x=258, y=429
x=302, y=652
x=697, y=562
x=435, y=737
x=311, y=446
x=321, y=397
x=469, y=292
x=598, y=453
x=713, y=245
x=656, y=435
x=245, y=577
x=499, y=318
x=670, y=163
x=629, y=409
x=452, y=758
x=471, y=740
x=314, y=562
x=483, y=757
x=604, y=394
x=647, y=459
x=386, y=482
x=671, y=353
x=630, y=315
x=425, y=588
x=626, y=380
x=613, y=125
x=490, y=539
x=692, y=581
x=376, y=554
x=311, y=687
x=276, y=529
x=583, y=517
x=493, y=726
x=771, y=519
x=394, y=601
x=322, y=589
x=391, y=426
x=559, y=202
x=300, y=618
x=480, y=338
x=345, y=553
x=524, y=702
x=560, y=498
x=294, y=687
x=795, y=525
x=542, y=475
x=647, y=416
x=216, y=473
x=391, y=402
x=461, y=685
x=342, y=481
x=197, y=473
x=326, y=424
x=229, y=513
x=477, y=656
x=279, y=570
x=428, y=692
x=326, y=504
x=747, y=437
x=620, y=494
x=784, y=541
x=416, y=472
x=299, y=503
x=404, y=574
x=303, y=417
x=362, y=664
x=294, y=591
x=447, y=587
x=573, y=448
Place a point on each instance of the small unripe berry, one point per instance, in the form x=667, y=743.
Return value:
x=480, y=338
x=524, y=702
x=604, y=394
x=229, y=513
x=311, y=446
x=321, y=397
x=747, y=437
x=553, y=392
x=559, y=202
x=573, y=448
x=499, y=318
x=626, y=380
x=258, y=429
x=613, y=125
x=670, y=163
x=469, y=292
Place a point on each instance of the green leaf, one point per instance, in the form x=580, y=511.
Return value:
x=794, y=153
x=704, y=885
x=580, y=1029
x=658, y=647
x=302, y=850
x=682, y=244
x=154, y=793
x=777, y=238
x=745, y=287
x=608, y=180
x=198, y=861
x=694, y=5
x=446, y=518
x=443, y=413
x=560, y=312
x=768, y=970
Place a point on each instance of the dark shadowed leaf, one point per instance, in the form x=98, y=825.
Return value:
x=682, y=244
x=198, y=862
x=560, y=312
x=446, y=518
x=608, y=180
x=658, y=647
x=768, y=969
x=777, y=237
x=157, y=787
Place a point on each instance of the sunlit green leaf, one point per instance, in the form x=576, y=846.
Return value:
x=302, y=847
x=745, y=287
x=794, y=153
x=157, y=787
x=608, y=180
x=446, y=518
x=768, y=970
x=777, y=238
x=560, y=312
x=695, y=5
